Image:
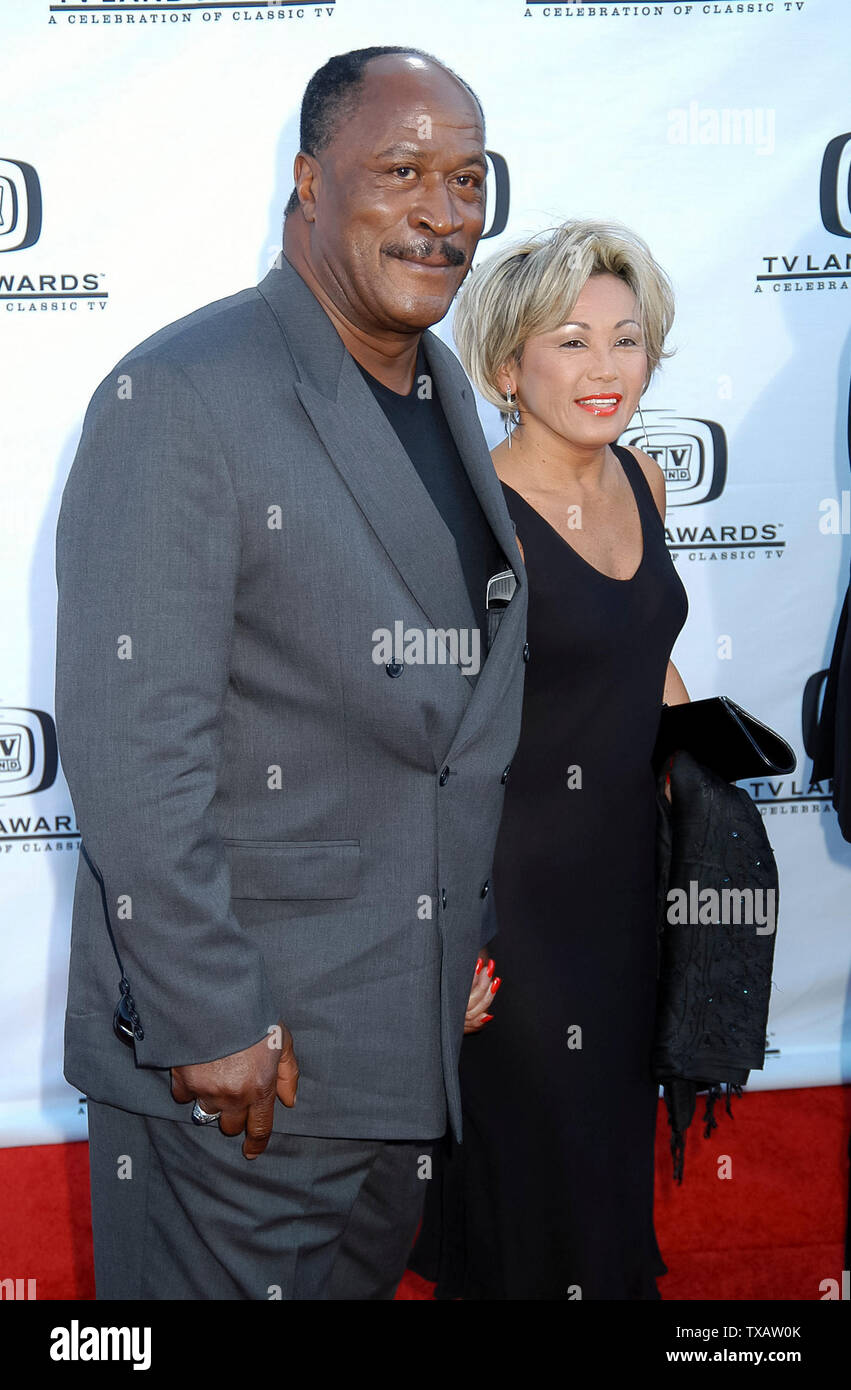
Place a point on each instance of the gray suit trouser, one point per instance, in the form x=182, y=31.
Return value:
x=178, y=1212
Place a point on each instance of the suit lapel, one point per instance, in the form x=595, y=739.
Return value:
x=367, y=453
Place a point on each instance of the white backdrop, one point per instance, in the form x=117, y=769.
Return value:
x=156, y=139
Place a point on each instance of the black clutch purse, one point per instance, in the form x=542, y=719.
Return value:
x=722, y=736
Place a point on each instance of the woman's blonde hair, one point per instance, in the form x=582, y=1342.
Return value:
x=532, y=286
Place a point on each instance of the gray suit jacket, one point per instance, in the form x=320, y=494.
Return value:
x=266, y=804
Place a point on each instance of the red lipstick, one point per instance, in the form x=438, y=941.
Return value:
x=603, y=404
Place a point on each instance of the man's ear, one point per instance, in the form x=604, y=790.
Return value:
x=307, y=178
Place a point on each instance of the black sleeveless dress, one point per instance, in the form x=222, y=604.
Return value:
x=551, y=1193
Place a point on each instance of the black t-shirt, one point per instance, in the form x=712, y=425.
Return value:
x=427, y=439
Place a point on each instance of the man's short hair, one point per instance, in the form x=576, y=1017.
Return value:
x=333, y=95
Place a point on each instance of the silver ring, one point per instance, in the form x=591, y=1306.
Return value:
x=202, y=1117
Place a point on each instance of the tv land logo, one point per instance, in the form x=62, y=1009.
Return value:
x=835, y=186
x=810, y=709
x=806, y=271
x=691, y=452
x=28, y=751
x=26, y=292
x=498, y=194
x=20, y=205
x=28, y=765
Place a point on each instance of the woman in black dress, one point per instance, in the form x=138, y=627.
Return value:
x=551, y=1193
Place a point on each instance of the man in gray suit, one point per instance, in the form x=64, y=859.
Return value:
x=286, y=757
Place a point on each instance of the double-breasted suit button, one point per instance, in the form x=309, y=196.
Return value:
x=394, y=668
x=525, y=651
x=486, y=887
x=444, y=776
x=506, y=770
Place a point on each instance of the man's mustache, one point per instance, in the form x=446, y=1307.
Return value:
x=425, y=250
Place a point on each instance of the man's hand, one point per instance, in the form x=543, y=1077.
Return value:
x=481, y=995
x=243, y=1086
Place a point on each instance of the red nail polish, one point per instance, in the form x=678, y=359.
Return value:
x=490, y=969
x=479, y=964
x=486, y=1018
x=496, y=984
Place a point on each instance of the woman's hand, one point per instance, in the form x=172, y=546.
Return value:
x=481, y=995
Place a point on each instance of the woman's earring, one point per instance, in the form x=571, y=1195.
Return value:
x=508, y=425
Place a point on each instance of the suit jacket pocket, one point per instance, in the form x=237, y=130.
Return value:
x=293, y=868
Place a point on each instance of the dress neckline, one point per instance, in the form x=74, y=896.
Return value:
x=613, y=579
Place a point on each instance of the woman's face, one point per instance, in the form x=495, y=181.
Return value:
x=584, y=379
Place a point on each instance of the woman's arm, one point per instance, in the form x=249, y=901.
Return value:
x=675, y=692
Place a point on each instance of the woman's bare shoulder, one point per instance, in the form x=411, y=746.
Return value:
x=654, y=475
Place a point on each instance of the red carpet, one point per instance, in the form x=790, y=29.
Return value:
x=774, y=1230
